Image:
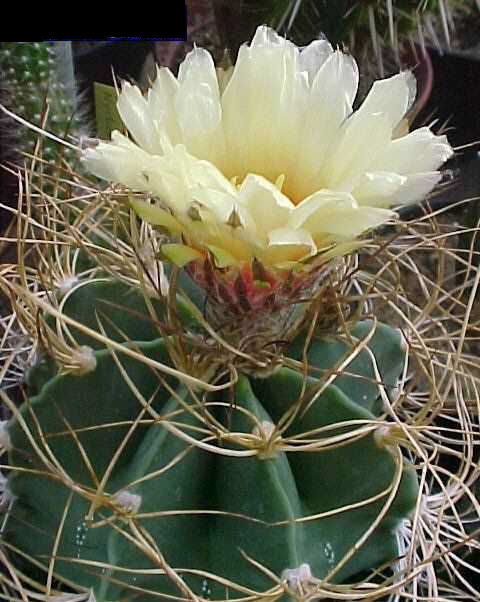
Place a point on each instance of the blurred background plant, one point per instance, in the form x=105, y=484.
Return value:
x=38, y=83
x=369, y=28
x=36, y=73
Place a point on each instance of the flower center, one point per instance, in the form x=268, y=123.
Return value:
x=281, y=182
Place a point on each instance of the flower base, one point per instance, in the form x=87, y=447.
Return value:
x=259, y=311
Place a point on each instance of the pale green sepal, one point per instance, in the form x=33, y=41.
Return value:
x=179, y=254
x=223, y=259
x=155, y=215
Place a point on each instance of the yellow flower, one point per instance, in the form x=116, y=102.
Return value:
x=269, y=162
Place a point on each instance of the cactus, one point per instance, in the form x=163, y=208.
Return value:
x=9, y=134
x=37, y=73
x=233, y=499
x=213, y=412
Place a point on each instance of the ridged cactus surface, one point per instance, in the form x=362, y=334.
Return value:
x=214, y=487
x=37, y=73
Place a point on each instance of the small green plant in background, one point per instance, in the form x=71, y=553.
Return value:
x=40, y=78
x=383, y=23
x=234, y=394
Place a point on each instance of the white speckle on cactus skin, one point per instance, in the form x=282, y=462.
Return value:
x=329, y=553
x=80, y=536
x=206, y=591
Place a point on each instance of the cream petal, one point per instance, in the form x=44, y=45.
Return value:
x=286, y=244
x=349, y=223
x=177, y=176
x=211, y=233
x=197, y=77
x=287, y=236
x=223, y=209
x=262, y=108
x=198, y=114
x=416, y=187
x=121, y=163
x=213, y=204
x=160, y=101
x=98, y=164
x=119, y=140
x=266, y=36
x=133, y=110
x=197, y=105
x=197, y=172
x=392, y=96
x=313, y=56
x=345, y=222
x=267, y=206
x=318, y=201
x=330, y=102
x=340, y=249
x=167, y=185
x=419, y=151
x=337, y=79
x=349, y=159
x=376, y=189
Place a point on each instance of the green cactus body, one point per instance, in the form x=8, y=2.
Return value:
x=32, y=72
x=206, y=500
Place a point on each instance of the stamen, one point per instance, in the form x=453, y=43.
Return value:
x=280, y=181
